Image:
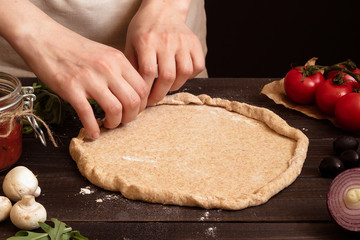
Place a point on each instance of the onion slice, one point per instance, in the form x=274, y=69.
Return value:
x=343, y=199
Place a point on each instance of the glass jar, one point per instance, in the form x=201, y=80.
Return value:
x=14, y=99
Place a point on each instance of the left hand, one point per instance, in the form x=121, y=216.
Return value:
x=160, y=43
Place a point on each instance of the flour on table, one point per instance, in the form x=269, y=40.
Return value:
x=211, y=231
x=86, y=190
x=111, y=197
x=107, y=197
x=205, y=217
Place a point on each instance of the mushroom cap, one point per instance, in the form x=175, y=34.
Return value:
x=5, y=208
x=18, y=182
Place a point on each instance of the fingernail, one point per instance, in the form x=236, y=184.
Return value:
x=96, y=135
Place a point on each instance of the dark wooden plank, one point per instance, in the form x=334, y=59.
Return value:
x=300, y=202
x=304, y=200
x=292, y=204
x=203, y=230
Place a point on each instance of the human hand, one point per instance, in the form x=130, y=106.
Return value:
x=78, y=69
x=159, y=42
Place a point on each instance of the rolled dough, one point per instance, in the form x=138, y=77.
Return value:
x=195, y=151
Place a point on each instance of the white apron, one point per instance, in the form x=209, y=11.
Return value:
x=104, y=21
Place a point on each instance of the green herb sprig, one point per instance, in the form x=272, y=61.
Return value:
x=49, y=106
x=53, y=109
x=60, y=231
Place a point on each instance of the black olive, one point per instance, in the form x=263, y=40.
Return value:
x=344, y=143
x=331, y=167
x=350, y=158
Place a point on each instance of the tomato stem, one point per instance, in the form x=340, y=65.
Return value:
x=309, y=71
x=344, y=67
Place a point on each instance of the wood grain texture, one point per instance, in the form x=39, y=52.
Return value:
x=297, y=212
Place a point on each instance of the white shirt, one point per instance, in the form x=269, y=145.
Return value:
x=104, y=21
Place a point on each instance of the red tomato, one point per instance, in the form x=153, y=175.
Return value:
x=357, y=85
x=347, y=112
x=348, y=79
x=357, y=70
x=301, y=90
x=328, y=93
x=332, y=73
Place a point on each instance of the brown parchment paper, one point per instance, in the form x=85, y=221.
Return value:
x=275, y=91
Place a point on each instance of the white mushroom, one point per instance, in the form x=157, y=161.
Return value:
x=20, y=181
x=5, y=207
x=26, y=213
x=37, y=192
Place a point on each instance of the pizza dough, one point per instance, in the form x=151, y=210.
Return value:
x=195, y=151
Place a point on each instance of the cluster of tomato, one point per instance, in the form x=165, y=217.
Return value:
x=334, y=89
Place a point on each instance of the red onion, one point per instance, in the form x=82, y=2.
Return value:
x=343, y=199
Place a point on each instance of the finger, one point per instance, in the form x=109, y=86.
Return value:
x=111, y=105
x=128, y=97
x=137, y=92
x=166, y=78
x=147, y=63
x=184, y=69
x=86, y=115
x=130, y=93
x=198, y=59
x=131, y=56
x=147, y=68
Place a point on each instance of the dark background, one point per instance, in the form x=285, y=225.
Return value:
x=265, y=38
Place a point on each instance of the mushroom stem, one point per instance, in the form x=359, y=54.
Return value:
x=28, y=201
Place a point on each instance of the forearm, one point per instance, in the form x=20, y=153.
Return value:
x=32, y=33
x=17, y=18
x=22, y=24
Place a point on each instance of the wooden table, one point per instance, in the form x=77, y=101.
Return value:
x=297, y=212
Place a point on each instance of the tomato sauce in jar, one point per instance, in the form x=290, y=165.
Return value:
x=10, y=128
x=10, y=146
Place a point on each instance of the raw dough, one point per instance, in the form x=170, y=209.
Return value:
x=195, y=151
